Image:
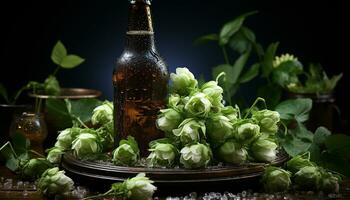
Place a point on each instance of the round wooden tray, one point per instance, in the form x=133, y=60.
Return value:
x=103, y=174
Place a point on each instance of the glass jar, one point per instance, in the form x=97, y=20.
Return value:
x=33, y=127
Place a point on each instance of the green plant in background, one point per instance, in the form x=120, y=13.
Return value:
x=62, y=59
x=316, y=81
x=240, y=40
x=51, y=85
x=287, y=73
x=11, y=100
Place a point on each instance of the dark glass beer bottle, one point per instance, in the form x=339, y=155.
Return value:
x=140, y=80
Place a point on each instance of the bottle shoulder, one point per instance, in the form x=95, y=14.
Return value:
x=139, y=59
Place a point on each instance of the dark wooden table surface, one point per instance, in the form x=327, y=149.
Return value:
x=27, y=190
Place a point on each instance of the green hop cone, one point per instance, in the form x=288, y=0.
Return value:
x=33, y=168
x=86, y=144
x=198, y=105
x=162, y=155
x=232, y=152
x=183, y=81
x=308, y=178
x=106, y=135
x=66, y=137
x=230, y=112
x=247, y=132
x=264, y=150
x=190, y=131
x=175, y=102
x=195, y=156
x=214, y=92
x=54, y=155
x=329, y=183
x=267, y=120
x=276, y=179
x=53, y=182
x=127, y=153
x=140, y=187
x=284, y=58
x=168, y=120
x=298, y=162
x=219, y=129
x=51, y=86
x=102, y=114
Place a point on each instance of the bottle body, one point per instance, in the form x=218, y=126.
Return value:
x=140, y=81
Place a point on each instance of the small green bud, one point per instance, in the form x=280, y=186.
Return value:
x=183, y=81
x=168, y=120
x=53, y=182
x=232, y=152
x=195, y=156
x=102, y=114
x=162, y=155
x=198, y=105
x=267, y=120
x=308, y=178
x=190, y=131
x=264, y=150
x=276, y=179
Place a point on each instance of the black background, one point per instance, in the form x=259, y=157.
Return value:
x=315, y=31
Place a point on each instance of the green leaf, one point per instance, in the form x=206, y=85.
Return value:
x=242, y=40
x=321, y=134
x=3, y=93
x=238, y=67
x=59, y=52
x=287, y=72
x=21, y=144
x=250, y=74
x=271, y=93
x=249, y=34
x=7, y=151
x=206, y=38
x=12, y=163
x=71, y=61
x=228, y=73
x=57, y=114
x=335, y=162
x=294, y=109
x=83, y=108
x=232, y=27
x=338, y=144
x=201, y=80
x=267, y=64
x=297, y=140
x=315, y=153
x=331, y=83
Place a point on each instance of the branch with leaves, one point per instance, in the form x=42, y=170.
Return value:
x=240, y=40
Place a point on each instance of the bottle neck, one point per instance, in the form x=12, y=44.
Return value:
x=140, y=29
